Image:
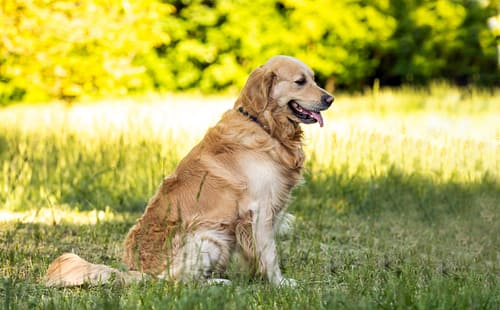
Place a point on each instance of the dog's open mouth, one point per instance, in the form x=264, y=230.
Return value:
x=306, y=116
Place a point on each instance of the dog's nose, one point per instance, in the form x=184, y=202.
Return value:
x=327, y=99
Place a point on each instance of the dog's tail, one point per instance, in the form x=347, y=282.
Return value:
x=71, y=270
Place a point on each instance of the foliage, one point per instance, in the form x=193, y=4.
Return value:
x=399, y=208
x=68, y=49
x=65, y=49
x=348, y=43
x=119, y=47
x=441, y=39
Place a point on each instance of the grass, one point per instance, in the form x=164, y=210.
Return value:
x=400, y=208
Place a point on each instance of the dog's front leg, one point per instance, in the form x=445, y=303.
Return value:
x=265, y=246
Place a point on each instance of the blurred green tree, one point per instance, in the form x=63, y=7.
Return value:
x=66, y=49
x=440, y=39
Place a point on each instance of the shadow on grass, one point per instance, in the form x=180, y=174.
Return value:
x=396, y=191
x=421, y=195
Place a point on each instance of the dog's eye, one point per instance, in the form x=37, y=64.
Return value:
x=300, y=81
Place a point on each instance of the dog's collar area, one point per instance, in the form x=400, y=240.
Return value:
x=249, y=116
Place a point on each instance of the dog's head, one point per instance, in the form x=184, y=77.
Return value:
x=283, y=90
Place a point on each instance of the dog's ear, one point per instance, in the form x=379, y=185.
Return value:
x=255, y=96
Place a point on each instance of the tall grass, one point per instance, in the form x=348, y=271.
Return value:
x=113, y=155
x=400, y=206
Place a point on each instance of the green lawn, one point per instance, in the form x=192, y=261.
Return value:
x=400, y=208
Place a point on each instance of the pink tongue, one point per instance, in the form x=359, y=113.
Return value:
x=318, y=117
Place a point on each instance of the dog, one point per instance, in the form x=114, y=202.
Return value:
x=227, y=195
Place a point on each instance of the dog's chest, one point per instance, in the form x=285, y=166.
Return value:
x=266, y=181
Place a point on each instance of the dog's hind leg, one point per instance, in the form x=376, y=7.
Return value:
x=205, y=253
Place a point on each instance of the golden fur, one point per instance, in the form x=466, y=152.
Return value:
x=227, y=193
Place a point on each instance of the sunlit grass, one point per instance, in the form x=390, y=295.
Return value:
x=63, y=215
x=113, y=154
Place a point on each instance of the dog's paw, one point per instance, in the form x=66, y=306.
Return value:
x=288, y=282
x=284, y=223
x=218, y=281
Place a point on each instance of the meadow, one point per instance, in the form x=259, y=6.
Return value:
x=400, y=207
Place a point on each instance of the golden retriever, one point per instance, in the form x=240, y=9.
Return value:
x=227, y=194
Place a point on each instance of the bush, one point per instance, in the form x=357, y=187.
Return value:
x=220, y=42
x=69, y=49
x=440, y=40
x=65, y=49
